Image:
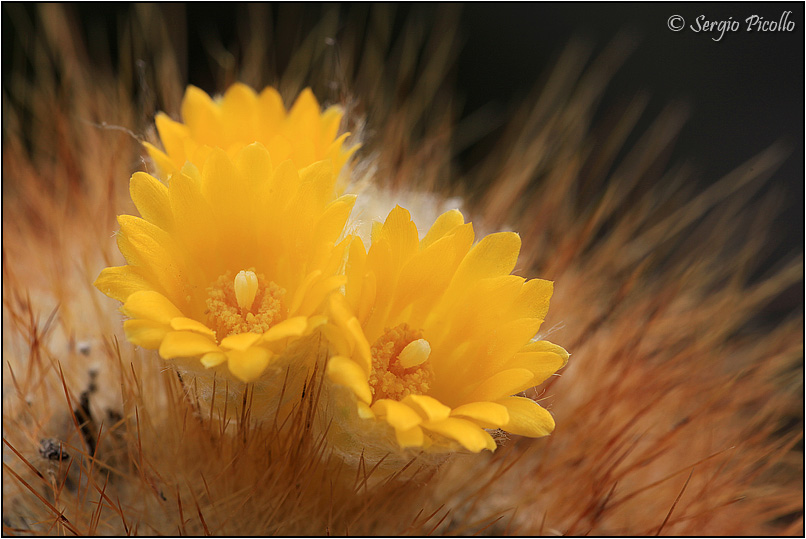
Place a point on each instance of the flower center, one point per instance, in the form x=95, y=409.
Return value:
x=400, y=364
x=247, y=303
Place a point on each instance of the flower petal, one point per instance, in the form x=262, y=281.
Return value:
x=120, y=282
x=241, y=341
x=493, y=256
x=489, y=415
x=364, y=411
x=150, y=196
x=165, y=166
x=145, y=333
x=527, y=418
x=238, y=109
x=293, y=327
x=213, y=359
x=186, y=344
x=181, y=323
x=319, y=180
x=542, y=363
x=271, y=111
x=467, y=433
x=150, y=305
x=501, y=384
x=428, y=407
x=533, y=300
x=362, y=349
x=413, y=437
x=201, y=115
x=319, y=293
x=397, y=414
x=348, y=373
x=248, y=365
x=331, y=224
x=152, y=251
x=444, y=224
x=172, y=135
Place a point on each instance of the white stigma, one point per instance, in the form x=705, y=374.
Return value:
x=245, y=288
x=415, y=353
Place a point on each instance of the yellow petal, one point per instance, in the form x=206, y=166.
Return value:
x=145, y=333
x=331, y=223
x=533, y=300
x=362, y=349
x=444, y=224
x=283, y=186
x=271, y=110
x=120, y=282
x=319, y=293
x=152, y=251
x=254, y=163
x=293, y=327
x=413, y=437
x=186, y=344
x=165, y=166
x=493, y=256
x=337, y=339
x=546, y=346
x=150, y=196
x=195, y=223
x=397, y=414
x=223, y=186
x=321, y=179
x=248, y=365
x=172, y=135
x=348, y=373
x=239, y=112
x=201, y=116
x=188, y=324
x=504, y=343
x=241, y=341
x=428, y=407
x=364, y=411
x=543, y=363
x=369, y=289
x=426, y=273
x=527, y=418
x=355, y=270
x=501, y=384
x=304, y=116
x=375, y=233
x=330, y=120
x=213, y=359
x=467, y=433
x=401, y=233
x=150, y=305
x=489, y=415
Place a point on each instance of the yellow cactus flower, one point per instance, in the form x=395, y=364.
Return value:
x=434, y=338
x=231, y=264
x=304, y=134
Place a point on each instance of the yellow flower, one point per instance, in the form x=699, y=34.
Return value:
x=434, y=337
x=303, y=134
x=230, y=264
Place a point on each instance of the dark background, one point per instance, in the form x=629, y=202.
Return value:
x=745, y=91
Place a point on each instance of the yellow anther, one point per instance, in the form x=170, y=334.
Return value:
x=415, y=353
x=245, y=288
x=248, y=303
x=400, y=365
